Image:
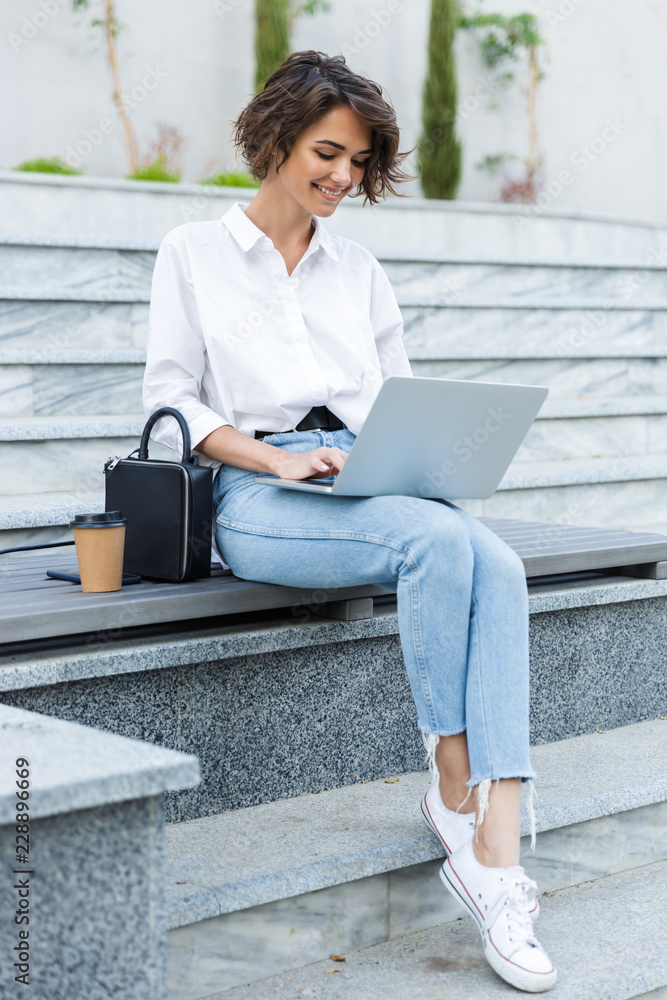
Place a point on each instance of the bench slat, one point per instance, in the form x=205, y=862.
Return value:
x=33, y=607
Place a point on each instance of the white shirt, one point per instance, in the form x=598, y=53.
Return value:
x=233, y=339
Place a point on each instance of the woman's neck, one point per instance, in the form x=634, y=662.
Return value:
x=285, y=222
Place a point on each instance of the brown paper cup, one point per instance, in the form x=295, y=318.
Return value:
x=99, y=552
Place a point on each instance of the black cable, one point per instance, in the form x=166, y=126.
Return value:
x=27, y=548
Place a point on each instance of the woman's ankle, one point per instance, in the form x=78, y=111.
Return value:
x=503, y=854
x=455, y=795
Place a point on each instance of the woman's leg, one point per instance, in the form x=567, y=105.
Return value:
x=497, y=843
x=460, y=608
x=496, y=577
x=463, y=623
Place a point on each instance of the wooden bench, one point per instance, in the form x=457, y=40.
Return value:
x=36, y=607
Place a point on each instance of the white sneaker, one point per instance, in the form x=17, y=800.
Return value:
x=454, y=829
x=499, y=900
x=451, y=828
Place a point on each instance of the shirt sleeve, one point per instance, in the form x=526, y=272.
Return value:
x=387, y=325
x=175, y=350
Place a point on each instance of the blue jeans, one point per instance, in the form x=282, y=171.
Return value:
x=461, y=595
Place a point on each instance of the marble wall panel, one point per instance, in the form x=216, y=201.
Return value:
x=82, y=389
x=527, y=284
x=552, y=440
x=16, y=391
x=35, y=324
x=62, y=465
x=250, y=944
x=657, y=434
x=139, y=323
x=433, y=331
x=636, y=505
x=81, y=270
x=566, y=377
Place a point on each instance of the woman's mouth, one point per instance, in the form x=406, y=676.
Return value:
x=329, y=194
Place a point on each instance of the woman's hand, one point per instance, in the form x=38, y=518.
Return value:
x=316, y=464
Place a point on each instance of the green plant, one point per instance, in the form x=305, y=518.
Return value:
x=162, y=162
x=47, y=165
x=274, y=20
x=231, y=179
x=439, y=150
x=502, y=41
x=494, y=161
x=110, y=26
x=156, y=170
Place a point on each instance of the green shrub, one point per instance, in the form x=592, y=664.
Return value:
x=156, y=170
x=232, y=180
x=439, y=149
x=271, y=38
x=46, y=165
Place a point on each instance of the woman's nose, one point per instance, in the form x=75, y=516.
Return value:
x=341, y=175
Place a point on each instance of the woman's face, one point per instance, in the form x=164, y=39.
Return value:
x=330, y=155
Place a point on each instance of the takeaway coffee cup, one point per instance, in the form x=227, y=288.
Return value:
x=100, y=542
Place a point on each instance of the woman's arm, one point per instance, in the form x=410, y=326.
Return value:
x=387, y=325
x=175, y=366
x=175, y=350
x=230, y=446
x=226, y=444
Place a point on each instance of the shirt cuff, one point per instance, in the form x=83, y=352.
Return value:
x=204, y=425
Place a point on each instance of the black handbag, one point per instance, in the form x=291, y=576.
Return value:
x=168, y=506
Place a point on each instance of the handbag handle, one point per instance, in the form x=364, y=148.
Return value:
x=167, y=411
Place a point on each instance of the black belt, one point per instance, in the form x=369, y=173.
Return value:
x=320, y=418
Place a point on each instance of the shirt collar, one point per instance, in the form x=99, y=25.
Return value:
x=247, y=234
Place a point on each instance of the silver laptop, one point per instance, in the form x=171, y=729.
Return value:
x=432, y=437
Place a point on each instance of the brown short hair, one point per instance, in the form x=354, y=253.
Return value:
x=308, y=85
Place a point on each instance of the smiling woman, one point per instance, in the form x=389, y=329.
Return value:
x=306, y=87
x=273, y=337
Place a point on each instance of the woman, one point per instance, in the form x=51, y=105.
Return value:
x=273, y=337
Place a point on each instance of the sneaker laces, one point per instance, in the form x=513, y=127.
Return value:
x=512, y=906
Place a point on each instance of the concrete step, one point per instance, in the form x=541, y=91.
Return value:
x=594, y=932
x=277, y=886
x=93, y=207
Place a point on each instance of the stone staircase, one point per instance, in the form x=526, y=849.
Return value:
x=260, y=898
x=73, y=317
x=304, y=838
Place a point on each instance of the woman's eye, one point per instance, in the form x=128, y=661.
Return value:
x=355, y=163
